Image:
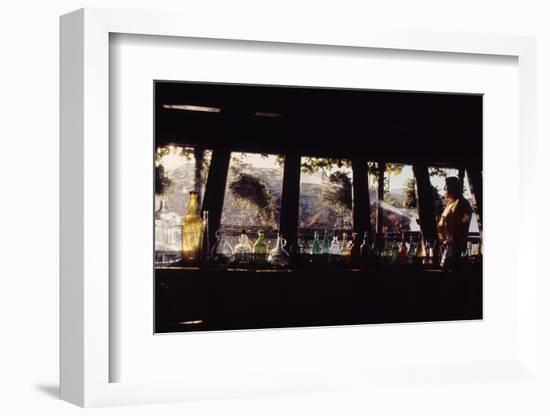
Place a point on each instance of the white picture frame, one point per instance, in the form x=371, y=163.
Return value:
x=85, y=165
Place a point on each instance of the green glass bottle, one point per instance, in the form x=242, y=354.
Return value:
x=325, y=246
x=259, y=249
x=316, y=245
x=365, y=248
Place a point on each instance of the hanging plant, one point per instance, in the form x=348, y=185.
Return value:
x=253, y=192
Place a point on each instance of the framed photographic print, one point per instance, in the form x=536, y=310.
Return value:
x=261, y=221
x=263, y=214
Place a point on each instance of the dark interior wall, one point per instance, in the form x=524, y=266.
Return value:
x=413, y=127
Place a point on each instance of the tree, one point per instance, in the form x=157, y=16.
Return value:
x=338, y=190
x=410, y=200
x=314, y=164
x=254, y=193
x=196, y=153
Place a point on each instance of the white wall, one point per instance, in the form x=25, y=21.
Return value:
x=29, y=186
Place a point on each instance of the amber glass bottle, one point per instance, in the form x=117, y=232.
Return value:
x=192, y=229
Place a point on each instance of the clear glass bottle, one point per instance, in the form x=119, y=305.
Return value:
x=412, y=251
x=447, y=257
x=259, y=249
x=243, y=249
x=404, y=250
x=395, y=249
x=378, y=249
x=191, y=230
x=316, y=248
x=334, y=248
x=387, y=247
x=428, y=259
x=167, y=235
x=421, y=250
x=205, y=244
x=279, y=257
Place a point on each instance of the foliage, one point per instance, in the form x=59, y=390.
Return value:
x=410, y=200
x=186, y=152
x=163, y=185
x=441, y=172
x=314, y=164
x=252, y=192
x=201, y=157
x=339, y=190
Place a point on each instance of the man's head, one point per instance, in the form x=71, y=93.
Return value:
x=452, y=187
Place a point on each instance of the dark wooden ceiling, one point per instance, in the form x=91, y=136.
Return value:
x=436, y=128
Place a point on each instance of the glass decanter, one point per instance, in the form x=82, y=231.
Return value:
x=222, y=252
x=279, y=257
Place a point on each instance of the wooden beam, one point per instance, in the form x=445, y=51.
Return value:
x=290, y=199
x=215, y=190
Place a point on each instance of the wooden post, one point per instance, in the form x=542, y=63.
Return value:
x=361, y=198
x=461, y=179
x=475, y=179
x=290, y=199
x=215, y=190
x=426, y=208
x=379, y=214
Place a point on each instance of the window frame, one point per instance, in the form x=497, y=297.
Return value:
x=214, y=190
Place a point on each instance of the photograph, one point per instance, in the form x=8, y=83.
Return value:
x=280, y=206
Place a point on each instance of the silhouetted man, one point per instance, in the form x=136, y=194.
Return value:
x=454, y=223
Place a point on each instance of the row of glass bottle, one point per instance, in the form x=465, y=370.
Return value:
x=188, y=240
x=245, y=252
x=384, y=247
